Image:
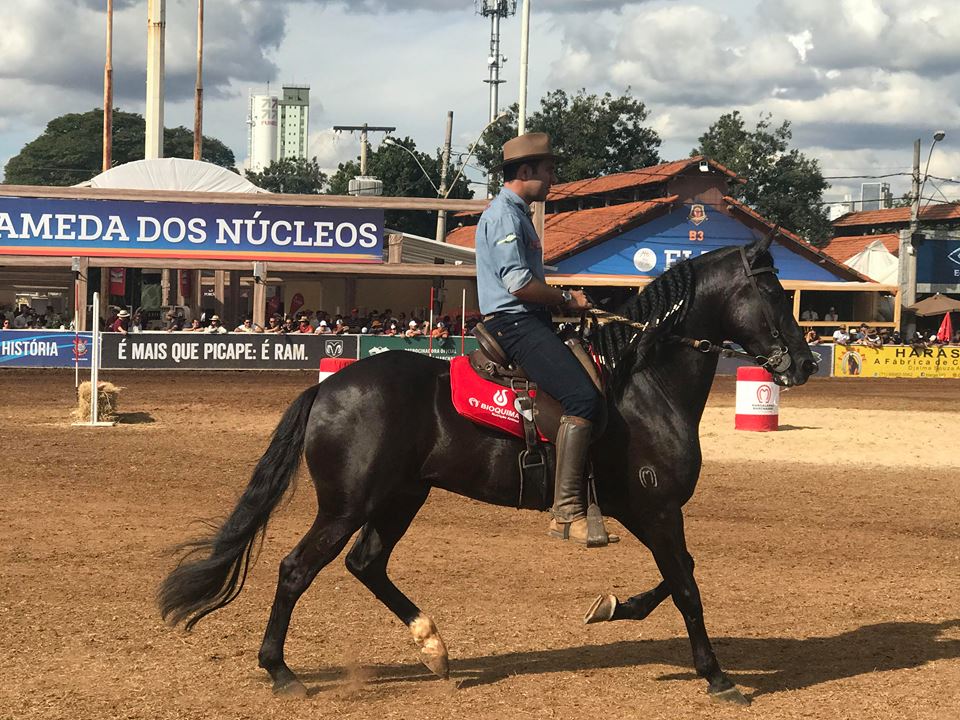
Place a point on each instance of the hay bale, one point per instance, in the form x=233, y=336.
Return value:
x=108, y=397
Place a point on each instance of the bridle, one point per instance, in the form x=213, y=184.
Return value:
x=778, y=361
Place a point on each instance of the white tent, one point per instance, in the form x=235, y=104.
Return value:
x=877, y=263
x=172, y=174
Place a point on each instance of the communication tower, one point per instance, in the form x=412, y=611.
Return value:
x=496, y=10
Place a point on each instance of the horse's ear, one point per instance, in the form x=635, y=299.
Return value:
x=758, y=247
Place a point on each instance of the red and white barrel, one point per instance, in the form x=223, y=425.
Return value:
x=758, y=400
x=328, y=366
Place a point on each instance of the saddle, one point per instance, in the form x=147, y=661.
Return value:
x=487, y=389
x=491, y=363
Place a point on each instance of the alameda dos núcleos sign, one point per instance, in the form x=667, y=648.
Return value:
x=180, y=230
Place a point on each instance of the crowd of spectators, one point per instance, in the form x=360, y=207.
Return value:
x=25, y=317
x=878, y=337
x=321, y=322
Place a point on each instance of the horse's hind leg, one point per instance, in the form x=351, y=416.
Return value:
x=322, y=543
x=368, y=559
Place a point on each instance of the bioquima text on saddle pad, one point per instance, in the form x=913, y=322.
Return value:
x=482, y=401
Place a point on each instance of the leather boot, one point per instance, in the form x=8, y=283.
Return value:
x=569, y=506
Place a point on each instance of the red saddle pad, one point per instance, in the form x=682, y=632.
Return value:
x=482, y=401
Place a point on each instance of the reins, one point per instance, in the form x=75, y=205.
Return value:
x=778, y=360
x=703, y=345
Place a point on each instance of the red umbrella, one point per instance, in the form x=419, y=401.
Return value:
x=945, y=333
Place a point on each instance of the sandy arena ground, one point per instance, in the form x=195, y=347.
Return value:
x=828, y=557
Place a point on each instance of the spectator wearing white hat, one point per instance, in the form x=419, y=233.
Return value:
x=215, y=328
x=322, y=328
x=413, y=329
x=121, y=324
x=440, y=331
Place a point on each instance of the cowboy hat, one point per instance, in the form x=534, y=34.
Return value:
x=123, y=314
x=532, y=146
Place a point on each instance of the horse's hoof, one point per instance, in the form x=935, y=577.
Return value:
x=439, y=665
x=730, y=695
x=602, y=609
x=292, y=689
x=433, y=651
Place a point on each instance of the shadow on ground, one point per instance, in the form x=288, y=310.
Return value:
x=760, y=666
x=134, y=418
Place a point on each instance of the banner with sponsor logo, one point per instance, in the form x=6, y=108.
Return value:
x=233, y=351
x=896, y=361
x=46, y=349
x=212, y=231
x=444, y=349
x=938, y=265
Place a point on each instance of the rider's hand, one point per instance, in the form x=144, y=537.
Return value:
x=578, y=302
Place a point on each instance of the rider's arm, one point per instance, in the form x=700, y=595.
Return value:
x=538, y=292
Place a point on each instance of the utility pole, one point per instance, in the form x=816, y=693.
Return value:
x=908, y=258
x=524, y=66
x=444, y=164
x=198, y=101
x=363, y=129
x=108, y=93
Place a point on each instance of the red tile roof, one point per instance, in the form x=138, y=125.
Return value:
x=894, y=216
x=631, y=179
x=842, y=249
x=569, y=232
x=795, y=242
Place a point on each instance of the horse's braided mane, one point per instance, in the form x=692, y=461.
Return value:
x=662, y=305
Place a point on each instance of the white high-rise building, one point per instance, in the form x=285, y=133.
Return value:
x=294, y=131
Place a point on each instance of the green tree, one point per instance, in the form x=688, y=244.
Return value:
x=291, y=175
x=402, y=177
x=783, y=184
x=70, y=150
x=593, y=134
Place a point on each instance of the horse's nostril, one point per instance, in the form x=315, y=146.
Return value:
x=810, y=366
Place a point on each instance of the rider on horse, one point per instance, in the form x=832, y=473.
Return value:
x=516, y=301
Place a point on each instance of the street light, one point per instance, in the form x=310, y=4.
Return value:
x=393, y=143
x=937, y=137
x=908, y=249
x=498, y=118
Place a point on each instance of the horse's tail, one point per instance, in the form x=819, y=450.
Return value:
x=200, y=585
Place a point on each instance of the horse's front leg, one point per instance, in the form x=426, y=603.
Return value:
x=608, y=607
x=663, y=534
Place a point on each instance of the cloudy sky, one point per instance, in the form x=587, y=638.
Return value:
x=859, y=79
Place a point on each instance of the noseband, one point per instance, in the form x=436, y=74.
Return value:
x=779, y=360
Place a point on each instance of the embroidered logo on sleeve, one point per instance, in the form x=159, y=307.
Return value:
x=508, y=239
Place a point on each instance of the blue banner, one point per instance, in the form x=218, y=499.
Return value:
x=656, y=246
x=938, y=265
x=211, y=231
x=44, y=348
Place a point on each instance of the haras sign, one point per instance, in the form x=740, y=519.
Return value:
x=213, y=231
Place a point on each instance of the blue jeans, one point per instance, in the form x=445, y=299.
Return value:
x=528, y=340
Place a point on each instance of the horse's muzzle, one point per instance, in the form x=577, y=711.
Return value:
x=810, y=367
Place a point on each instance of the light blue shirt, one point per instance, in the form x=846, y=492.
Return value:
x=509, y=255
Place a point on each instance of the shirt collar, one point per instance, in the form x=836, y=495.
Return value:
x=511, y=198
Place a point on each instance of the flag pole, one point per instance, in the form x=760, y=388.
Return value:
x=463, y=323
x=430, y=330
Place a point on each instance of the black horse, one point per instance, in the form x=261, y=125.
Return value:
x=411, y=439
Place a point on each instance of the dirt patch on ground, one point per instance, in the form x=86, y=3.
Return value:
x=828, y=557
